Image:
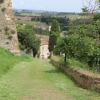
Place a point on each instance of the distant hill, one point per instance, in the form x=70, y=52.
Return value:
x=24, y=12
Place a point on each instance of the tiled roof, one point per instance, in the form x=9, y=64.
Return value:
x=44, y=39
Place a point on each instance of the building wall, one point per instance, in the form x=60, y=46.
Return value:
x=44, y=51
x=8, y=34
x=84, y=79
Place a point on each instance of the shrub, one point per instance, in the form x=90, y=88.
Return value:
x=82, y=48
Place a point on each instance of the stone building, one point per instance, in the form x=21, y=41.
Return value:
x=8, y=33
x=44, y=51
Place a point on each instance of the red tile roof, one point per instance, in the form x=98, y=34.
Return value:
x=44, y=39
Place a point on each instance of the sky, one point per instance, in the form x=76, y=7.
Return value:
x=49, y=5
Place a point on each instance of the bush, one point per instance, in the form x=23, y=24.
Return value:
x=82, y=48
x=28, y=40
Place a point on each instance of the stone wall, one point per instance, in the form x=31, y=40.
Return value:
x=84, y=79
x=8, y=33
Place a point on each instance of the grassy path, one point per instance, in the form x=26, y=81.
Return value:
x=39, y=80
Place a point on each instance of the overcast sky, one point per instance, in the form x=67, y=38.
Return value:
x=50, y=5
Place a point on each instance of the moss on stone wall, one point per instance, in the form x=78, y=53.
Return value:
x=8, y=33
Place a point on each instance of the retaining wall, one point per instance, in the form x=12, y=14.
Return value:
x=83, y=79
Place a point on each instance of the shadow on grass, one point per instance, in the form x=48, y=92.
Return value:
x=53, y=71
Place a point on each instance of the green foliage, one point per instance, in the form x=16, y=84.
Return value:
x=85, y=10
x=27, y=38
x=82, y=43
x=54, y=34
x=63, y=21
x=82, y=48
x=74, y=63
x=55, y=26
x=96, y=17
x=52, y=40
x=97, y=27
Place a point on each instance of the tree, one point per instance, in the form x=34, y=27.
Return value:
x=61, y=48
x=99, y=5
x=54, y=34
x=28, y=40
x=82, y=48
x=55, y=27
x=96, y=17
x=91, y=6
x=85, y=10
x=52, y=40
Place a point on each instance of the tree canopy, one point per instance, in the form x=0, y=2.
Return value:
x=28, y=40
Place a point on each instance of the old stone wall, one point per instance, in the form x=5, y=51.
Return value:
x=83, y=79
x=8, y=33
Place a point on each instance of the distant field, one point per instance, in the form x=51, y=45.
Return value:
x=53, y=15
x=46, y=13
x=30, y=14
x=24, y=22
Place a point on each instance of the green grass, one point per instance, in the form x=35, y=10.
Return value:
x=82, y=66
x=8, y=60
x=24, y=22
x=75, y=64
x=30, y=14
x=39, y=80
x=24, y=78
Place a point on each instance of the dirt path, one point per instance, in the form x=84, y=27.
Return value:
x=39, y=80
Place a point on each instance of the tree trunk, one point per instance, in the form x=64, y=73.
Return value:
x=51, y=54
x=65, y=58
x=34, y=53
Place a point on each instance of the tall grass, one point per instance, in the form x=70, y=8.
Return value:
x=8, y=60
